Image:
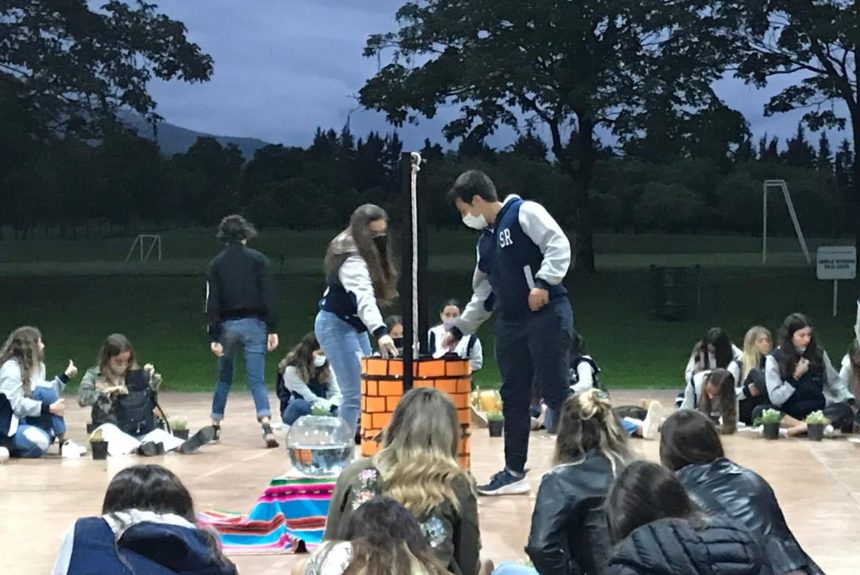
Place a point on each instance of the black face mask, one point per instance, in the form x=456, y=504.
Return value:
x=381, y=243
x=398, y=342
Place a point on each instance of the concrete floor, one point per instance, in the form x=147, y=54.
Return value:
x=818, y=486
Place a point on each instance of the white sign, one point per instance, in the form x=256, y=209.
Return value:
x=837, y=263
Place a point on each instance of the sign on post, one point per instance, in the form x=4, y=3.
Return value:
x=836, y=263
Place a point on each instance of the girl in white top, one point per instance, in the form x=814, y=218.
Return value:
x=382, y=538
x=712, y=351
x=467, y=347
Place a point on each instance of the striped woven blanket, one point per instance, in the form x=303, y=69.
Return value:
x=290, y=515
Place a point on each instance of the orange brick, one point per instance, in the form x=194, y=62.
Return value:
x=374, y=404
x=457, y=367
x=465, y=461
x=431, y=368
x=380, y=420
x=391, y=403
x=369, y=448
x=376, y=366
x=395, y=367
x=363, y=403
x=449, y=386
x=464, y=385
x=461, y=400
x=391, y=388
x=366, y=420
x=464, y=415
x=371, y=387
x=424, y=383
x=364, y=365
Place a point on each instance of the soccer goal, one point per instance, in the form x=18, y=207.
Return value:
x=146, y=242
x=780, y=184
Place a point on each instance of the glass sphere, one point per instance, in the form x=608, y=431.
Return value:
x=320, y=446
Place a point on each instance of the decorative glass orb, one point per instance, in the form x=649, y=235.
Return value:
x=320, y=446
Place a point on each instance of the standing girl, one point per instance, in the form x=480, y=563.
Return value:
x=360, y=277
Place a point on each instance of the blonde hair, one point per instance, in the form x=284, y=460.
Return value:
x=588, y=422
x=418, y=461
x=22, y=345
x=751, y=356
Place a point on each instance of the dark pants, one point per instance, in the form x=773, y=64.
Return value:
x=535, y=350
x=747, y=407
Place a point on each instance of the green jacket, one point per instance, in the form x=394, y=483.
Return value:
x=454, y=536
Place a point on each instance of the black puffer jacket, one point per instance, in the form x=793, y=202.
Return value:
x=569, y=533
x=722, y=487
x=677, y=547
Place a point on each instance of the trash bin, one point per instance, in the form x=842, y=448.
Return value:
x=670, y=285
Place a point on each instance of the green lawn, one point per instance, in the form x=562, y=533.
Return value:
x=78, y=292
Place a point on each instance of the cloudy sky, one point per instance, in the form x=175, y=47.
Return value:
x=284, y=67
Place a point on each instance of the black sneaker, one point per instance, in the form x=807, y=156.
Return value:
x=217, y=434
x=198, y=440
x=505, y=483
x=269, y=436
x=148, y=449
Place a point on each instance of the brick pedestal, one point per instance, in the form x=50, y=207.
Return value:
x=382, y=388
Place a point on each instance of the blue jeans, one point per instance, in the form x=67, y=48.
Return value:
x=511, y=568
x=344, y=347
x=249, y=334
x=30, y=441
x=53, y=425
x=299, y=408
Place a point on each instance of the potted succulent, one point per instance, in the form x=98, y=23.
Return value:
x=815, y=426
x=98, y=444
x=770, y=420
x=320, y=410
x=179, y=426
x=496, y=423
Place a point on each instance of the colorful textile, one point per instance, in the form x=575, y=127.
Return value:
x=289, y=516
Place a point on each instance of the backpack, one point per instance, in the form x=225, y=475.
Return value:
x=134, y=411
x=574, y=375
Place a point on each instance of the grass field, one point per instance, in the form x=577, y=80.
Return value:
x=79, y=291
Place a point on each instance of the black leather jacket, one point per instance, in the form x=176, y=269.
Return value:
x=722, y=487
x=678, y=547
x=569, y=533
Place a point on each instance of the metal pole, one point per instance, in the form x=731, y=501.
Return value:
x=406, y=277
x=835, y=296
x=764, y=224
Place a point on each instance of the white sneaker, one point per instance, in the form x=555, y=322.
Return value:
x=4, y=454
x=653, y=421
x=831, y=432
x=71, y=450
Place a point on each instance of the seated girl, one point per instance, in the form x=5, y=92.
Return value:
x=691, y=447
x=34, y=416
x=583, y=369
x=147, y=526
x=714, y=350
x=719, y=400
x=417, y=466
x=382, y=537
x=753, y=389
x=305, y=381
x=394, y=323
x=850, y=374
x=466, y=348
x=801, y=379
x=656, y=528
x=124, y=404
x=568, y=532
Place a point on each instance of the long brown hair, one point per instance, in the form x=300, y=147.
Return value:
x=726, y=399
x=302, y=358
x=357, y=239
x=114, y=344
x=22, y=345
x=588, y=423
x=787, y=356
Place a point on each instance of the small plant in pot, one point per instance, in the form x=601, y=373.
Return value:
x=98, y=445
x=496, y=423
x=320, y=410
x=815, y=424
x=769, y=419
x=179, y=426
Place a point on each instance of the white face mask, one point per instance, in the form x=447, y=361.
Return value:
x=319, y=360
x=449, y=323
x=478, y=222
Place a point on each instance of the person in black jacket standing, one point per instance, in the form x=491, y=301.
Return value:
x=690, y=446
x=240, y=307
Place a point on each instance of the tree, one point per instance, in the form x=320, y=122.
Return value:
x=581, y=63
x=75, y=66
x=819, y=40
x=824, y=156
x=799, y=153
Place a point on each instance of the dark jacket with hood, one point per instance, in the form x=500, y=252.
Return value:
x=569, y=533
x=678, y=547
x=722, y=487
x=147, y=547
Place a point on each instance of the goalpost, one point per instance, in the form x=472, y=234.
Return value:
x=140, y=242
x=790, y=205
